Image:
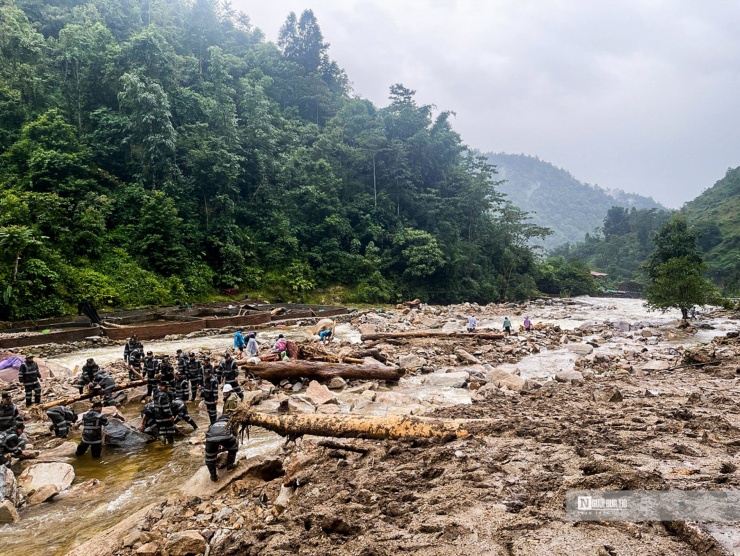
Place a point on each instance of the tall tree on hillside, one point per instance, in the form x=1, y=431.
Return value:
x=676, y=270
x=302, y=42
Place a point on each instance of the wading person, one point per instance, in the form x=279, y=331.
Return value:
x=180, y=411
x=229, y=370
x=30, y=376
x=130, y=346
x=194, y=374
x=209, y=392
x=87, y=374
x=148, y=423
x=62, y=419
x=134, y=364
x=151, y=370
x=163, y=412
x=8, y=413
x=219, y=438
x=92, y=431
x=182, y=388
x=166, y=373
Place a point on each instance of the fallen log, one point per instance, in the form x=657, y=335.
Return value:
x=431, y=334
x=355, y=426
x=279, y=370
x=73, y=399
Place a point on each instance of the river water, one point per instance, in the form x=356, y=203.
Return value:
x=132, y=479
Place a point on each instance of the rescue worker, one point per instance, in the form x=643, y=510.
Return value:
x=231, y=400
x=208, y=365
x=104, y=383
x=62, y=418
x=229, y=370
x=163, y=413
x=181, y=359
x=151, y=370
x=166, y=372
x=219, y=438
x=9, y=446
x=180, y=411
x=194, y=374
x=92, y=431
x=87, y=374
x=9, y=413
x=148, y=423
x=130, y=346
x=134, y=364
x=209, y=392
x=30, y=376
x=182, y=387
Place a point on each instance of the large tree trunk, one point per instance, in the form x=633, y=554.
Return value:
x=357, y=426
x=431, y=334
x=279, y=370
x=67, y=401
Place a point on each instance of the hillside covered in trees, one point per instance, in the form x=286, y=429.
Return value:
x=156, y=152
x=555, y=199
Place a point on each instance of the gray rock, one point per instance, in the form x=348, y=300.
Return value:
x=455, y=379
x=411, y=362
x=574, y=377
x=297, y=403
x=610, y=395
x=47, y=473
x=118, y=433
x=581, y=349
x=337, y=383
x=506, y=381
x=297, y=387
x=8, y=486
x=657, y=365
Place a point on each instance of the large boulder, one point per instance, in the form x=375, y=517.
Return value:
x=574, y=377
x=455, y=379
x=318, y=394
x=184, y=543
x=253, y=397
x=506, y=381
x=411, y=362
x=118, y=433
x=581, y=349
x=8, y=486
x=47, y=473
x=298, y=403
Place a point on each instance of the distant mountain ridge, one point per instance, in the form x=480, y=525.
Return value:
x=557, y=200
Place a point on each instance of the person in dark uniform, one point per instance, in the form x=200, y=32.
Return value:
x=104, y=383
x=166, y=372
x=182, y=388
x=209, y=392
x=181, y=359
x=130, y=346
x=180, y=411
x=229, y=370
x=30, y=376
x=62, y=418
x=163, y=413
x=134, y=364
x=9, y=445
x=219, y=438
x=151, y=370
x=8, y=413
x=194, y=374
x=87, y=374
x=92, y=431
x=149, y=420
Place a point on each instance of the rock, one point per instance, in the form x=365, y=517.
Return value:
x=281, y=502
x=574, y=377
x=646, y=334
x=506, y=381
x=411, y=362
x=185, y=542
x=43, y=494
x=297, y=387
x=47, y=473
x=113, y=413
x=657, y=365
x=253, y=397
x=298, y=403
x=610, y=395
x=453, y=380
x=367, y=329
x=8, y=513
x=149, y=549
x=651, y=393
x=131, y=539
x=581, y=349
x=466, y=356
x=337, y=383
x=318, y=394
x=8, y=486
x=450, y=326
x=118, y=433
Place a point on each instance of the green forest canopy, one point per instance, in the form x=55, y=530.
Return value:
x=155, y=152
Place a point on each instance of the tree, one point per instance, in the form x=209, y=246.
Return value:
x=676, y=270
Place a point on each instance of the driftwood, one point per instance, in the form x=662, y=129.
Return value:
x=431, y=334
x=98, y=392
x=355, y=426
x=279, y=370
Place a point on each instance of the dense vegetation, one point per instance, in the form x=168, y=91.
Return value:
x=155, y=152
x=557, y=200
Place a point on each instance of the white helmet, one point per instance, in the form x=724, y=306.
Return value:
x=227, y=388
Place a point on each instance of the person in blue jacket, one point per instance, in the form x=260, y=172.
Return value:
x=239, y=342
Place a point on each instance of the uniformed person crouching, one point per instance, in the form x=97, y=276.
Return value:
x=219, y=438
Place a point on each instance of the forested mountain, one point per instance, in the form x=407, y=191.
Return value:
x=715, y=216
x=556, y=200
x=154, y=152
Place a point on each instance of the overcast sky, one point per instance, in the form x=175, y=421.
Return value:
x=639, y=95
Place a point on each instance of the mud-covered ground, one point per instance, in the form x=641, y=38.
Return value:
x=500, y=491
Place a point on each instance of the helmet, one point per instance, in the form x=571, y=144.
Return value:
x=227, y=388
x=91, y=361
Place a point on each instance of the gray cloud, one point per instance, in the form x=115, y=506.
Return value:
x=637, y=95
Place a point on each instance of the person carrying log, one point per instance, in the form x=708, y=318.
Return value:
x=151, y=370
x=62, y=418
x=87, y=374
x=135, y=359
x=132, y=344
x=8, y=413
x=163, y=412
x=148, y=423
x=93, y=423
x=166, y=373
x=30, y=376
x=105, y=384
x=180, y=411
x=219, y=438
x=229, y=370
x=209, y=392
